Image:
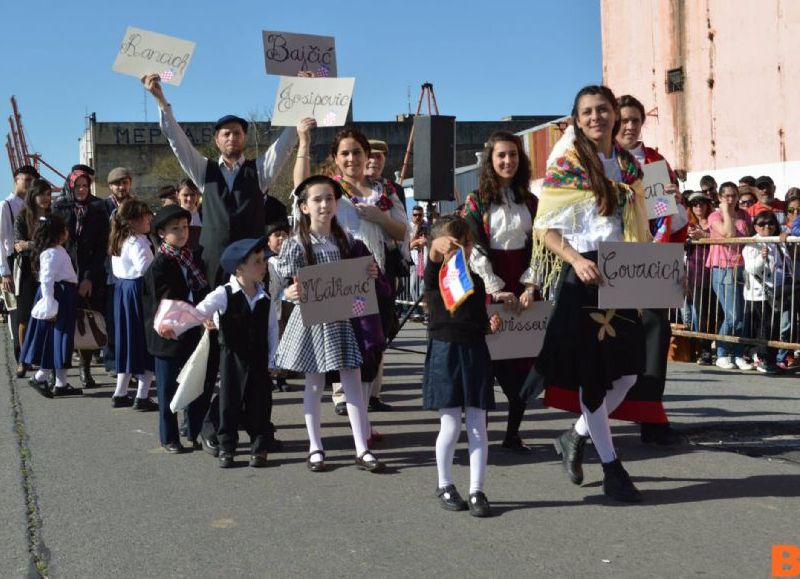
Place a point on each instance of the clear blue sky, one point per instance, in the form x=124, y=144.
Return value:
x=485, y=59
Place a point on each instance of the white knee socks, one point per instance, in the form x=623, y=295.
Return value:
x=123, y=380
x=597, y=422
x=61, y=377
x=614, y=397
x=145, y=380
x=356, y=410
x=449, y=431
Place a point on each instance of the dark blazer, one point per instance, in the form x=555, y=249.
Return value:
x=89, y=249
x=164, y=280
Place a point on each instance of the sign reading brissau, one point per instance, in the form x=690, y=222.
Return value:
x=521, y=335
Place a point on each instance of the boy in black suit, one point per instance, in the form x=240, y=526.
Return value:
x=173, y=275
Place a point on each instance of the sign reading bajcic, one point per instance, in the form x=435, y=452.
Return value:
x=520, y=335
x=325, y=99
x=286, y=54
x=143, y=52
x=337, y=291
x=641, y=275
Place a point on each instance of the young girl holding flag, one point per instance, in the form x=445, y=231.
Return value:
x=458, y=371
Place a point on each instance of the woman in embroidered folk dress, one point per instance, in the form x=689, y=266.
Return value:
x=325, y=347
x=500, y=215
x=49, y=338
x=592, y=193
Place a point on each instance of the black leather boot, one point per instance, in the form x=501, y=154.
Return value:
x=569, y=447
x=617, y=483
x=86, y=370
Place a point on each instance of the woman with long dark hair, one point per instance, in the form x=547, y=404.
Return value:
x=500, y=214
x=37, y=204
x=592, y=193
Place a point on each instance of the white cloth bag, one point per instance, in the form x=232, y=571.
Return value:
x=192, y=377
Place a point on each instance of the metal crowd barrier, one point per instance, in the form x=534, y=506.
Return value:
x=702, y=314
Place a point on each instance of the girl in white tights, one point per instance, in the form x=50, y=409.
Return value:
x=458, y=372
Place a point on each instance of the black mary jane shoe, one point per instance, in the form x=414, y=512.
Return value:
x=210, y=446
x=318, y=466
x=258, y=460
x=225, y=459
x=145, y=405
x=373, y=465
x=66, y=390
x=174, y=448
x=479, y=505
x=121, y=401
x=515, y=444
x=449, y=499
x=41, y=386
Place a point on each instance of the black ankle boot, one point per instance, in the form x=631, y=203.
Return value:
x=86, y=370
x=617, y=483
x=569, y=447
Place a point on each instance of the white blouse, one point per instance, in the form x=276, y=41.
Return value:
x=135, y=257
x=54, y=266
x=510, y=227
x=216, y=303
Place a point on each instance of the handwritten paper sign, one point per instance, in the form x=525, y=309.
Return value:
x=656, y=201
x=337, y=291
x=143, y=52
x=286, y=54
x=641, y=275
x=521, y=335
x=325, y=99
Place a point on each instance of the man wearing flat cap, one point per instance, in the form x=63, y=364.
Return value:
x=119, y=183
x=233, y=188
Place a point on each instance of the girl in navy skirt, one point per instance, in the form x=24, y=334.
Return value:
x=50, y=335
x=131, y=255
x=458, y=370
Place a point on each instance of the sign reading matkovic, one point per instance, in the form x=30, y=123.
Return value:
x=143, y=52
x=325, y=99
x=641, y=275
x=337, y=291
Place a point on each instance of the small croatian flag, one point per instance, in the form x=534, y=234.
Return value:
x=329, y=119
x=167, y=75
x=322, y=71
x=455, y=283
x=359, y=306
x=660, y=208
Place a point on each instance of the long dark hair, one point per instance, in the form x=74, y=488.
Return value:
x=303, y=225
x=31, y=212
x=489, y=184
x=122, y=223
x=48, y=233
x=329, y=165
x=627, y=100
x=605, y=193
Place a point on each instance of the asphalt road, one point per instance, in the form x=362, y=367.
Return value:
x=99, y=498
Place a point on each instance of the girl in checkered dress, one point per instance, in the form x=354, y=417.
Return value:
x=325, y=347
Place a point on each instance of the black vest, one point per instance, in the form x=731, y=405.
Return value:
x=243, y=333
x=229, y=215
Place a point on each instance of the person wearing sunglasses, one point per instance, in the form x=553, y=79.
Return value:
x=765, y=191
x=765, y=288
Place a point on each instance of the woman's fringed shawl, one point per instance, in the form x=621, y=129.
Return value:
x=567, y=188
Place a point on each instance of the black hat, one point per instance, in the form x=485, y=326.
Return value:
x=764, y=180
x=167, y=214
x=238, y=251
x=27, y=170
x=277, y=226
x=84, y=168
x=230, y=119
x=314, y=179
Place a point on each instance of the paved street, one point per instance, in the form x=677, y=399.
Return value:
x=99, y=498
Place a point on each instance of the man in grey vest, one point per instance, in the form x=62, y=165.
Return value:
x=232, y=187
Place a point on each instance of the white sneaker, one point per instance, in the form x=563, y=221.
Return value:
x=725, y=363
x=743, y=364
